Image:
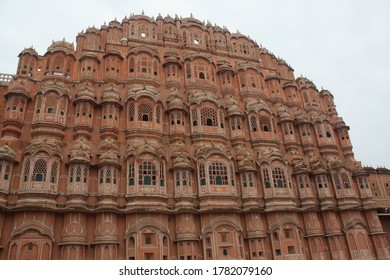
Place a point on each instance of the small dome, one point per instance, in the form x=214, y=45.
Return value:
x=29, y=51
x=92, y=29
x=232, y=108
x=111, y=94
x=86, y=93
x=7, y=153
x=175, y=101
x=63, y=46
x=284, y=115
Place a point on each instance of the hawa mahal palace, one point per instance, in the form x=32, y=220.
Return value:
x=171, y=138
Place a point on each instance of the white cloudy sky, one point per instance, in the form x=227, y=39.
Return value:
x=341, y=45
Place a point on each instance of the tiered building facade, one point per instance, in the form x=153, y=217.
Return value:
x=169, y=138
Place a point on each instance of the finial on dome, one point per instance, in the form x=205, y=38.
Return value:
x=143, y=13
x=191, y=15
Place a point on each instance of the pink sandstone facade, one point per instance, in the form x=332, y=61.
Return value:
x=169, y=138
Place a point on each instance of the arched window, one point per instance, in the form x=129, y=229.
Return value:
x=266, y=179
x=188, y=70
x=345, y=179
x=39, y=171
x=147, y=174
x=279, y=178
x=209, y=117
x=202, y=175
x=253, y=124
x=54, y=173
x=336, y=180
x=145, y=113
x=158, y=114
x=194, y=117
x=108, y=175
x=162, y=174
x=26, y=170
x=201, y=76
x=78, y=174
x=131, y=65
x=265, y=124
x=131, y=112
x=131, y=172
x=218, y=174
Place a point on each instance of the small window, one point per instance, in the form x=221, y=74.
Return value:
x=196, y=42
x=50, y=110
x=201, y=76
x=225, y=252
x=291, y=250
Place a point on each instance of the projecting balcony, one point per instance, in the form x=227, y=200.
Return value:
x=347, y=198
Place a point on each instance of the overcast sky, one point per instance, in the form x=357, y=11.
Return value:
x=341, y=45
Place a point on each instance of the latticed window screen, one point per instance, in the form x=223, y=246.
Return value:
x=131, y=112
x=233, y=123
x=209, y=117
x=145, y=113
x=158, y=114
x=345, y=179
x=177, y=178
x=182, y=178
x=40, y=170
x=78, y=174
x=303, y=181
x=54, y=173
x=218, y=174
x=147, y=174
x=86, y=173
x=279, y=178
x=250, y=179
x=202, y=174
x=115, y=176
x=336, y=180
x=254, y=123
x=108, y=175
x=71, y=170
x=38, y=104
x=131, y=172
x=194, y=114
x=5, y=167
x=244, y=180
x=238, y=122
x=221, y=119
x=266, y=178
x=101, y=176
x=247, y=180
x=162, y=174
x=232, y=177
x=265, y=123
x=322, y=182
x=186, y=178
x=320, y=130
x=178, y=118
x=26, y=170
